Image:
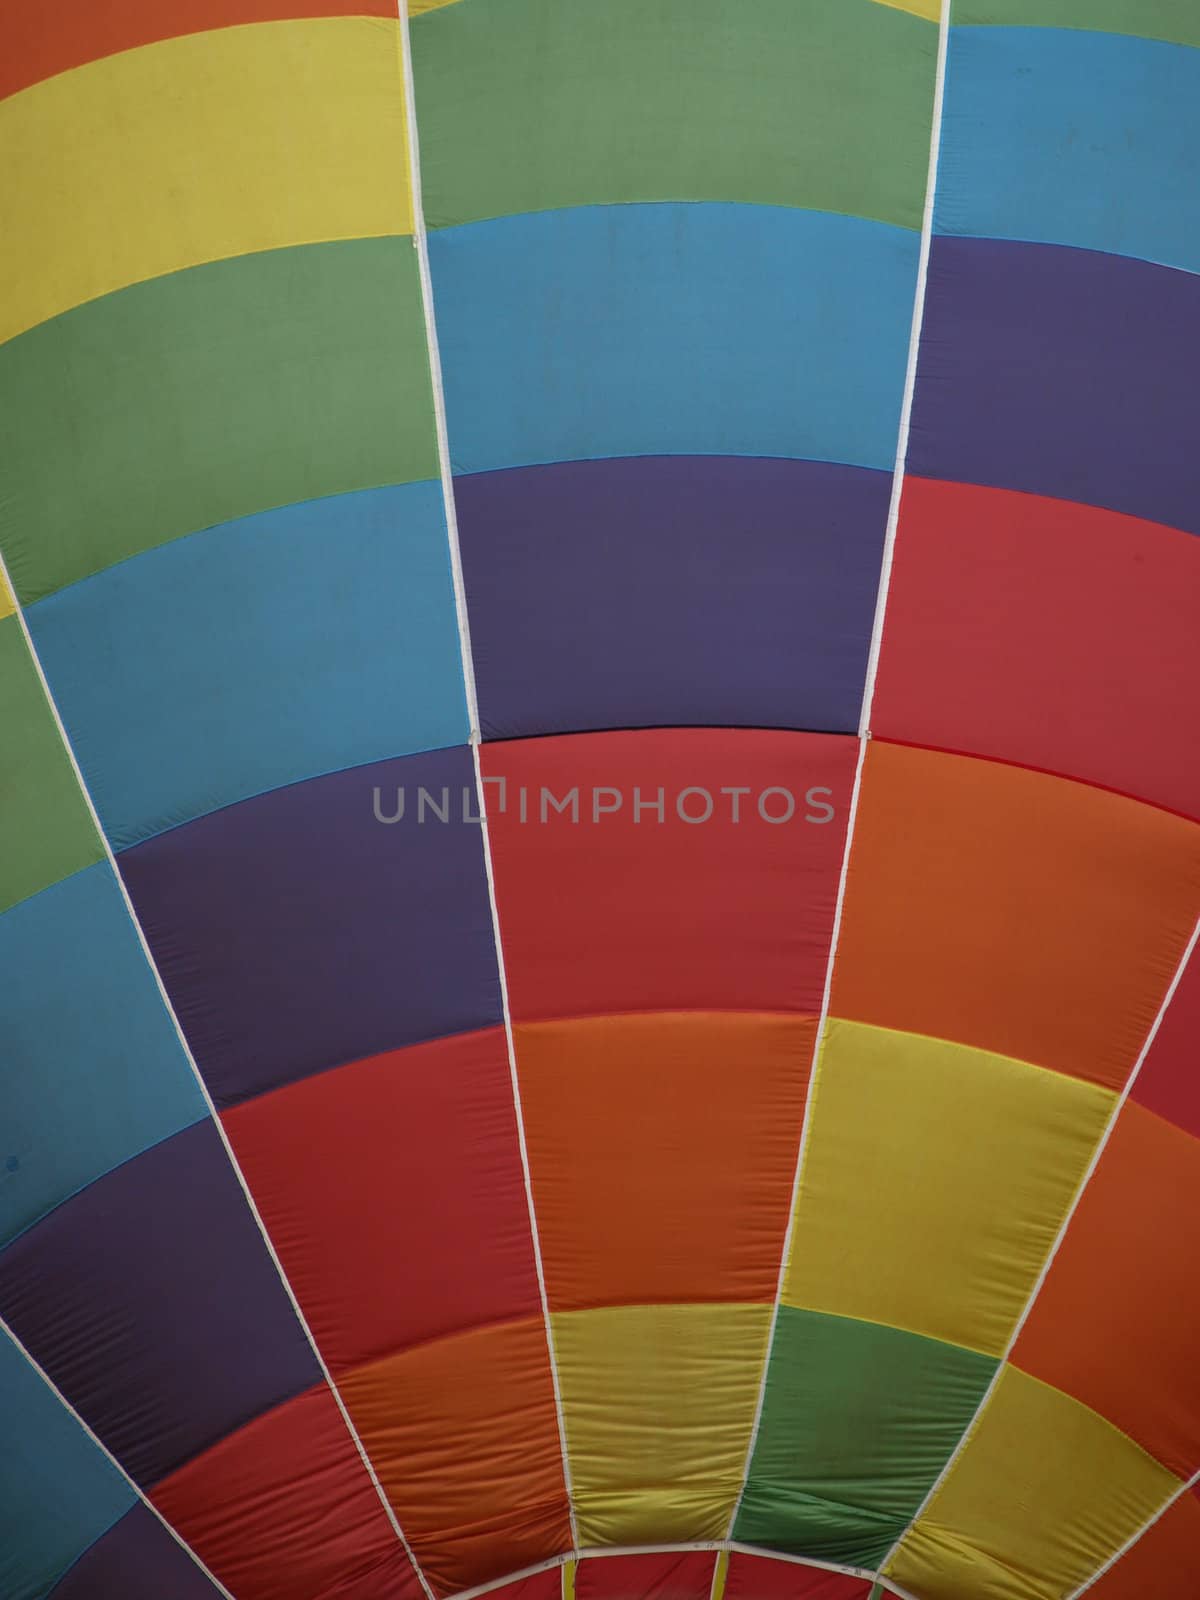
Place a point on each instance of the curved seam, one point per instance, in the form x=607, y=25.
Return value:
x=274, y=509
x=679, y=200
x=1044, y=772
x=729, y=1546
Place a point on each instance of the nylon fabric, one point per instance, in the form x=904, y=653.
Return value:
x=209, y=395
x=1044, y=1491
x=659, y=1402
x=974, y=1162
x=534, y=105
x=240, y=127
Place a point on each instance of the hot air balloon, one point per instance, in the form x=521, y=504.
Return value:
x=599, y=665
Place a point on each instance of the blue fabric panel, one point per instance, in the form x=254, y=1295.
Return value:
x=93, y=1068
x=150, y=1300
x=58, y=1493
x=1061, y=372
x=673, y=329
x=258, y=653
x=1063, y=136
x=667, y=590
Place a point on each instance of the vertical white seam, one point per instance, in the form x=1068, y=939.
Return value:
x=202, y=1086
x=113, y=1462
x=881, y=597
x=421, y=244
x=910, y=373
x=1184, y=1488
x=1072, y=1209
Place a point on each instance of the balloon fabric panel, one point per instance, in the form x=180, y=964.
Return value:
x=799, y=1212
x=239, y=125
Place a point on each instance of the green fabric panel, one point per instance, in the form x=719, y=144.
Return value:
x=207, y=395
x=857, y=1422
x=1175, y=20
x=44, y=822
x=528, y=105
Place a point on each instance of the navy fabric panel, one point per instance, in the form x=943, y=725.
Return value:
x=1061, y=372
x=135, y=1560
x=671, y=590
x=57, y=1491
x=93, y=1068
x=295, y=932
x=151, y=1301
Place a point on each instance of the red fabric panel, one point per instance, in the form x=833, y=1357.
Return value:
x=1169, y=1082
x=627, y=915
x=664, y=1575
x=541, y=1586
x=1163, y=1564
x=1115, y=1322
x=464, y=1435
x=393, y=1191
x=45, y=37
x=757, y=1578
x=662, y=1151
x=1057, y=635
x=284, y=1509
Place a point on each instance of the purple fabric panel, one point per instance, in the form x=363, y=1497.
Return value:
x=295, y=932
x=137, y=1559
x=151, y=1301
x=1061, y=372
x=667, y=590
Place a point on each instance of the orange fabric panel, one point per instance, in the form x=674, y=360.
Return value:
x=662, y=1151
x=1021, y=913
x=1164, y=1562
x=1115, y=1322
x=464, y=1435
x=51, y=36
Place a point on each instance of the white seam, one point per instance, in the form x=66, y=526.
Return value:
x=1184, y=1488
x=514, y=1079
x=113, y=1462
x=881, y=597
x=421, y=245
x=730, y=1546
x=910, y=373
x=203, y=1087
x=1072, y=1209
x=468, y=669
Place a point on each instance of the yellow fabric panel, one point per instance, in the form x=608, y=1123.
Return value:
x=658, y=1403
x=7, y=603
x=568, y=1580
x=197, y=148
x=931, y=10
x=935, y=1180
x=1044, y=1492
x=720, y=1575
